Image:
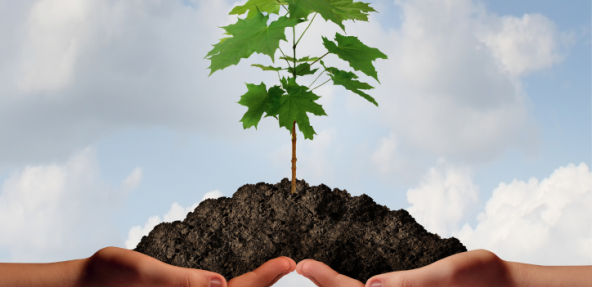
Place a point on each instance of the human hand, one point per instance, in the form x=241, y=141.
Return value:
x=114, y=266
x=472, y=268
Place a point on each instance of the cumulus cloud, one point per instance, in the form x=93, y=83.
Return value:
x=454, y=77
x=547, y=222
x=444, y=198
x=59, y=211
x=56, y=32
x=177, y=212
x=84, y=70
x=523, y=45
x=133, y=180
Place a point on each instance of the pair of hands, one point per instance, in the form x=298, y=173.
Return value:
x=114, y=266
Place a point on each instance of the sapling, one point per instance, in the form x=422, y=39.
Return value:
x=290, y=102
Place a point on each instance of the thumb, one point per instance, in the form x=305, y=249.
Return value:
x=421, y=277
x=194, y=277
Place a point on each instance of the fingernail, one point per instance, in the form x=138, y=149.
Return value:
x=215, y=283
x=376, y=284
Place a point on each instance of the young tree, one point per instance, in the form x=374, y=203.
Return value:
x=290, y=102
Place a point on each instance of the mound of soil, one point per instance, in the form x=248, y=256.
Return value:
x=353, y=235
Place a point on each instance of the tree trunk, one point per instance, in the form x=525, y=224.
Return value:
x=294, y=157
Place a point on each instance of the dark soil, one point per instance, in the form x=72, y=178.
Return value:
x=353, y=235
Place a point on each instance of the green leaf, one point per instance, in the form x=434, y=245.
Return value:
x=268, y=68
x=249, y=36
x=305, y=59
x=302, y=8
x=345, y=79
x=257, y=99
x=269, y=6
x=302, y=69
x=359, y=56
x=349, y=10
x=294, y=105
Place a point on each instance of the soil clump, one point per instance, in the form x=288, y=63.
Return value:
x=353, y=235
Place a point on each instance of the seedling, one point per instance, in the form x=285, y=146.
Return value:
x=290, y=102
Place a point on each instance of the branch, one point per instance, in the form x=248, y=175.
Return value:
x=313, y=17
x=288, y=11
x=285, y=58
x=316, y=78
x=294, y=41
x=321, y=84
x=312, y=62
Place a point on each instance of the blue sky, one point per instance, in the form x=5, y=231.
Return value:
x=108, y=118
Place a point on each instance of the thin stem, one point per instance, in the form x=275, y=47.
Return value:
x=293, y=185
x=294, y=46
x=312, y=62
x=306, y=28
x=279, y=78
x=285, y=57
x=316, y=78
x=287, y=11
x=321, y=84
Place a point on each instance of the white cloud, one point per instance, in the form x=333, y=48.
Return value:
x=84, y=70
x=177, y=212
x=211, y=194
x=56, y=30
x=58, y=211
x=545, y=222
x=133, y=180
x=136, y=233
x=523, y=45
x=447, y=92
x=444, y=198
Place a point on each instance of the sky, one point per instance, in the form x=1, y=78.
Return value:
x=110, y=124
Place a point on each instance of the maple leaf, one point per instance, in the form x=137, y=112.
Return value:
x=304, y=59
x=302, y=8
x=302, y=69
x=269, y=6
x=345, y=79
x=268, y=68
x=359, y=56
x=257, y=99
x=349, y=10
x=294, y=105
x=249, y=36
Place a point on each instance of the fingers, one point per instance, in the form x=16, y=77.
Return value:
x=444, y=272
x=114, y=266
x=323, y=276
x=396, y=279
x=153, y=272
x=266, y=275
x=433, y=275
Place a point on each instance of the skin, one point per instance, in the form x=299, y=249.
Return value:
x=476, y=268
x=114, y=266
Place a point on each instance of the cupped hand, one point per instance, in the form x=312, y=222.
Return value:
x=472, y=268
x=114, y=266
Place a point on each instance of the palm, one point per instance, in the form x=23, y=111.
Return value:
x=114, y=266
